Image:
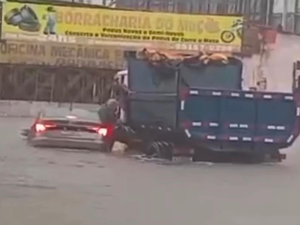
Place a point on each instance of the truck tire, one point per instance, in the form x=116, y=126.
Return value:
x=160, y=149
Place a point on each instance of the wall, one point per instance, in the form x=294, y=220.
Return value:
x=94, y=2
x=100, y=2
x=284, y=14
x=31, y=109
x=279, y=6
x=278, y=67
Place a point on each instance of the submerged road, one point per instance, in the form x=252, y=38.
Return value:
x=52, y=186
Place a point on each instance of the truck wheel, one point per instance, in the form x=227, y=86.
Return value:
x=148, y=148
x=162, y=150
x=165, y=151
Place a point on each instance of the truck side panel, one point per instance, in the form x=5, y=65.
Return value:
x=224, y=76
x=153, y=110
x=145, y=78
x=240, y=117
x=237, y=117
x=276, y=118
x=202, y=115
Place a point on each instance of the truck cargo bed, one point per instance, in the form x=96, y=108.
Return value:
x=239, y=116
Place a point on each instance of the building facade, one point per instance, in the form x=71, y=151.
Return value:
x=286, y=14
x=259, y=11
x=254, y=10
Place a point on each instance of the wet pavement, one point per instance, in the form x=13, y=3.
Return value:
x=64, y=187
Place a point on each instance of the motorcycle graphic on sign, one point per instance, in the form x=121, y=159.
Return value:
x=228, y=36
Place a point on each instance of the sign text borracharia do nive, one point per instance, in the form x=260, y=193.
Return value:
x=119, y=27
x=57, y=54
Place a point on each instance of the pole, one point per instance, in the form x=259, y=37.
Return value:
x=268, y=12
x=284, y=14
x=296, y=11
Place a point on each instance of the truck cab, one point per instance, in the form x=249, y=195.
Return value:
x=122, y=77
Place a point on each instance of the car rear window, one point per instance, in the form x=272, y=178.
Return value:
x=64, y=113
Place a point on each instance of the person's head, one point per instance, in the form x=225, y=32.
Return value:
x=112, y=104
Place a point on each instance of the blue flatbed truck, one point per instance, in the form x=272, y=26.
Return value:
x=198, y=109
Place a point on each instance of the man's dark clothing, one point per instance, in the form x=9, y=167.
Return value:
x=117, y=91
x=106, y=115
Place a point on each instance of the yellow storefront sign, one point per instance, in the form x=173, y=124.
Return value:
x=133, y=29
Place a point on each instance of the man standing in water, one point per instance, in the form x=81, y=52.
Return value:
x=108, y=112
x=108, y=116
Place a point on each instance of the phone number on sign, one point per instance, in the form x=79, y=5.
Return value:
x=207, y=47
